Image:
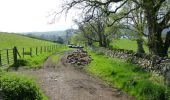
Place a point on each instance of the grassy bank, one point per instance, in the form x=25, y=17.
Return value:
x=37, y=60
x=128, y=77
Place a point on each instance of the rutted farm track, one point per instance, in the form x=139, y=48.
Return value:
x=65, y=82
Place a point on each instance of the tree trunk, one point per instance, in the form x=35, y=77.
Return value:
x=99, y=33
x=89, y=42
x=104, y=41
x=155, y=42
x=140, y=48
x=167, y=44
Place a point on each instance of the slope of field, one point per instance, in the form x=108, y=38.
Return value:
x=9, y=40
x=33, y=51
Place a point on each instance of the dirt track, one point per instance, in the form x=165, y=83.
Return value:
x=64, y=82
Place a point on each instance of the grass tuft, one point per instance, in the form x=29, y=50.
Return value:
x=148, y=90
x=55, y=58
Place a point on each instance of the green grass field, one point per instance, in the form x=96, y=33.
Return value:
x=9, y=40
x=127, y=44
x=128, y=77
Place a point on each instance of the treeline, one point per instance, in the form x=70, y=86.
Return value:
x=141, y=20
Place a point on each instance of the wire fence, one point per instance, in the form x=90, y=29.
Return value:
x=6, y=57
x=10, y=57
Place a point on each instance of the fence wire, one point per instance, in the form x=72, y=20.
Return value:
x=7, y=55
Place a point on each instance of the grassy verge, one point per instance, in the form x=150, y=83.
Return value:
x=128, y=77
x=19, y=87
x=36, y=61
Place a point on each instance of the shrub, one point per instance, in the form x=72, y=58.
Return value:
x=150, y=91
x=19, y=87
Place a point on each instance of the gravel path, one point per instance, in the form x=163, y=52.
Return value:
x=65, y=82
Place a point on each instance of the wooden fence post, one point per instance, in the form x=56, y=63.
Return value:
x=31, y=52
x=23, y=51
x=0, y=59
x=15, y=57
x=44, y=48
x=7, y=55
x=36, y=51
x=41, y=50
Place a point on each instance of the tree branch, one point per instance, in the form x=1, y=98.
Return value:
x=157, y=7
x=124, y=15
x=165, y=20
x=109, y=12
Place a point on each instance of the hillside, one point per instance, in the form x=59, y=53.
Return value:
x=52, y=35
x=9, y=40
x=56, y=33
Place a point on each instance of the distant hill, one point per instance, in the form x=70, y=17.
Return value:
x=56, y=33
x=9, y=40
x=52, y=35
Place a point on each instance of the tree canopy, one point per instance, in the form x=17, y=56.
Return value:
x=145, y=17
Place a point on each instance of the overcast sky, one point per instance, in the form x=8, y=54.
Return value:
x=31, y=15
